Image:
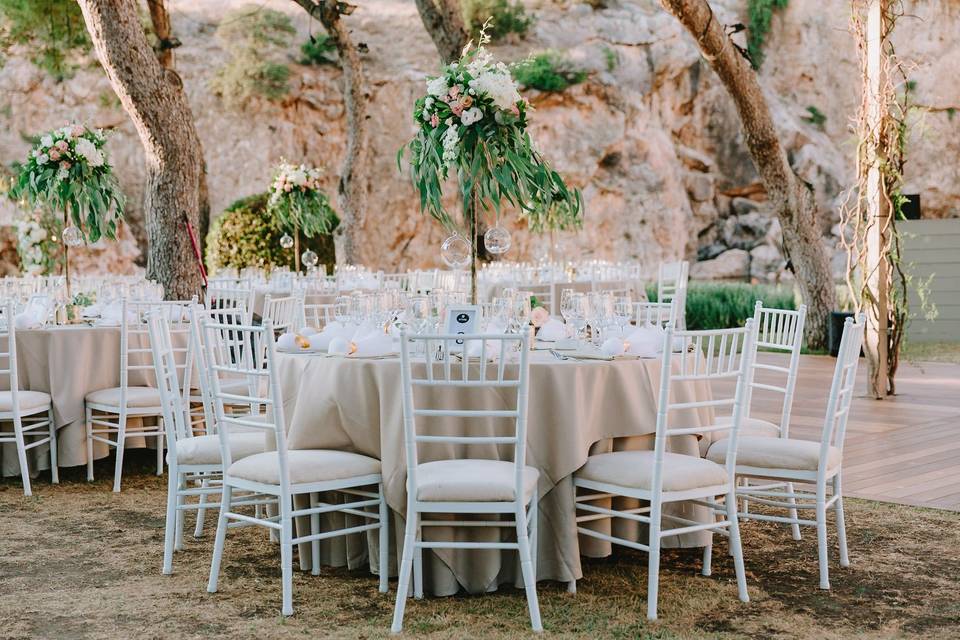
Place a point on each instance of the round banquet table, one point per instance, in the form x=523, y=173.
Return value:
x=68, y=362
x=576, y=408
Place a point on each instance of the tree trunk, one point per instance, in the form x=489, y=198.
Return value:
x=154, y=99
x=790, y=198
x=443, y=20
x=354, y=186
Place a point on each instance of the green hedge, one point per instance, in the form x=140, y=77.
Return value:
x=722, y=305
x=245, y=235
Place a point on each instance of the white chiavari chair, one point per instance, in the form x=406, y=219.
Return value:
x=191, y=459
x=655, y=313
x=108, y=410
x=805, y=462
x=459, y=485
x=283, y=313
x=30, y=412
x=231, y=297
x=672, y=279
x=544, y=293
x=317, y=316
x=659, y=477
x=283, y=474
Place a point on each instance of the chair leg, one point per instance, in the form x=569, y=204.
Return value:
x=418, y=567
x=201, y=511
x=286, y=557
x=169, y=533
x=22, y=455
x=745, y=483
x=314, y=530
x=121, y=441
x=384, y=541
x=534, y=531
x=406, y=566
x=572, y=586
x=822, y=537
x=54, y=461
x=526, y=567
x=653, y=562
x=181, y=499
x=707, y=568
x=160, y=454
x=794, y=527
x=737, y=547
x=841, y=524
x=220, y=539
x=88, y=427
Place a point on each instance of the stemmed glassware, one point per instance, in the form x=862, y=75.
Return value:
x=622, y=312
x=573, y=308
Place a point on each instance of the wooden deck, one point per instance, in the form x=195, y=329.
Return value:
x=905, y=449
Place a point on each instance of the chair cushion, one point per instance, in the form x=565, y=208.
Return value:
x=752, y=427
x=305, y=465
x=775, y=453
x=634, y=469
x=469, y=480
x=206, y=449
x=27, y=400
x=136, y=397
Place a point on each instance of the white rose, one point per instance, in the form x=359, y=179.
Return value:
x=470, y=116
x=42, y=158
x=298, y=177
x=46, y=141
x=428, y=102
x=437, y=86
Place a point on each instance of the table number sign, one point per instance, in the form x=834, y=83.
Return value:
x=463, y=320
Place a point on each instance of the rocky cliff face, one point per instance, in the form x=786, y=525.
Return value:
x=650, y=137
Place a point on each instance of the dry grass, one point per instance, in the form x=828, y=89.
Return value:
x=77, y=561
x=920, y=352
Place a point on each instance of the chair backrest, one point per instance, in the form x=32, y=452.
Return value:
x=777, y=330
x=223, y=297
x=8, y=352
x=441, y=368
x=694, y=358
x=671, y=278
x=317, y=315
x=229, y=317
x=544, y=293
x=231, y=359
x=842, y=387
x=168, y=383
x=135, y=353
x=655, y=313
x=283, y=313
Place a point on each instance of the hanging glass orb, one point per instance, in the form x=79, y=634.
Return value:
x=72, y=236
x=455, y=252
x=309, y=259
x=286, y=241
x=497, y=240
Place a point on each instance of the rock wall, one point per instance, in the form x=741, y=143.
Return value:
x=650, y=137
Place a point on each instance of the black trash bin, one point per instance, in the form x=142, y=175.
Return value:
x=835, y=331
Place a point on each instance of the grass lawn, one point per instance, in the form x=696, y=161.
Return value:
x=918, y=352
x=80, y=562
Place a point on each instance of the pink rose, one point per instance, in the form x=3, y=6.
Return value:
x=435, y=121
x=77, y=131
x=515, y=109
x=288, y=187
x=455, y=90
x=456, y=108
x=539, y=316
x=54, y=154
x=62, y=145
x=64, y=165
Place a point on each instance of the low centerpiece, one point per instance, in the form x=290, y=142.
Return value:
x=67, y=170
x=473, y=123
x=301, y=207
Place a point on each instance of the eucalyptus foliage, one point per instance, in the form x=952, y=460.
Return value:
x=298, y=203
x=473, y=124
x=68, y=171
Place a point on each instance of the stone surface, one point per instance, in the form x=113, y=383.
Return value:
x=654, y=142
x=766, y=263
x=733, y=264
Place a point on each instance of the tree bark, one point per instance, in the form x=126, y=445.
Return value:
x=354, y=185
x=154, y=99
x=790, y=198
x=443, y=20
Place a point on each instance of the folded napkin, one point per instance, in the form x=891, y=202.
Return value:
x=552, y=331
x=374, y=344
x=613, y=346
x=646, y=341
x=321, y=341
x=27, y=320
x=292, y=342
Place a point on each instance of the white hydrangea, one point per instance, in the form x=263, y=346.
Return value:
x=43, y=158
x=499, y=85
x=89, y=152
x=437, y=86
x=46, y=141
x=450, y=141
x=297, y=176
x=470, y=116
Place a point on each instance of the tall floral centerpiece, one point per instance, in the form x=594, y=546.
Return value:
x=68, y=171
x=300, y=206
x=473, y=124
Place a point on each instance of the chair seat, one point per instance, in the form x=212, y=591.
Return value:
x=139, y=397
x=752, y=427
x=634, y=469
x=28, y=400
x=468, y=480
x=775, y=453
x=305, y=466
x=206, y=449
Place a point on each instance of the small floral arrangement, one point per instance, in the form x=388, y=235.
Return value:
x=473, y=121
x=68, y=171
x=84, y=299
x=37, y=244
x=297, y=201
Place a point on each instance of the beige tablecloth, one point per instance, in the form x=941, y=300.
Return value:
x=68, y=362
x=576, y=408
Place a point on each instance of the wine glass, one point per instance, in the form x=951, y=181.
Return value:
x=573, y=308
x=341, y=309
x=622, y=311
x=419, y=313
